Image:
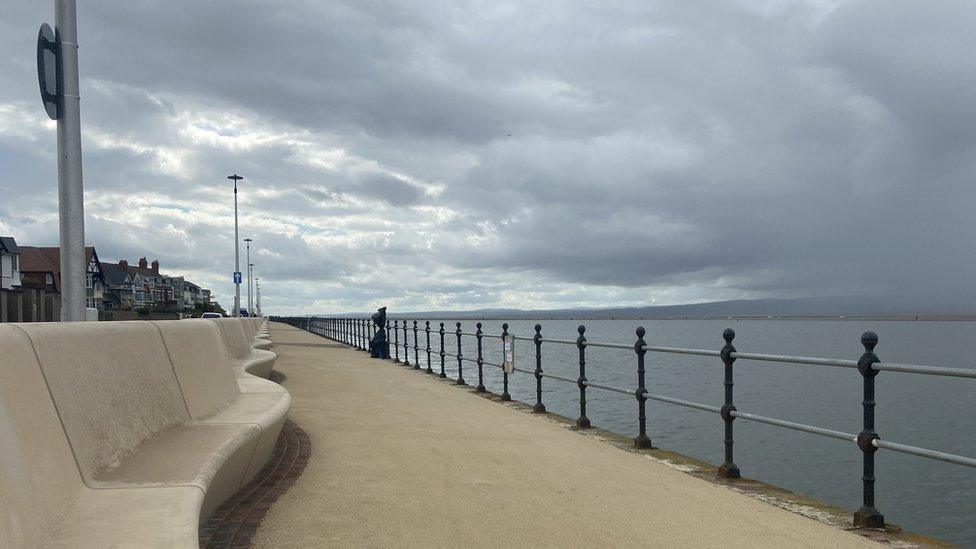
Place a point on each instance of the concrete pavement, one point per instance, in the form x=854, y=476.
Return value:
x=400, y=458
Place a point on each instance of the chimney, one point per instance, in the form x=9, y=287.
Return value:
x=142, y=263
x=123, y=263
x=155, y=266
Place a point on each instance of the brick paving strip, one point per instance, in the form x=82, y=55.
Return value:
x=236, y=521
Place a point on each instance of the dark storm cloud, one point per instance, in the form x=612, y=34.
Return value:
x=516, y=154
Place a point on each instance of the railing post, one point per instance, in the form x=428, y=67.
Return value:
x=539, y=407
x=396, y=341
x=481, y=362
x=406, y=345
x=505, y=396
x=364, y=335
x=728, y=469
x=868, y=516
x=582, y=422
x=388, y=336
x=416, y=348
x=358, y=336
x=443, y=374
x=460, y=379
x=427, y=331
x=642, y=440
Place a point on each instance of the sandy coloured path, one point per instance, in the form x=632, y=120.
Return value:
x=400, y=458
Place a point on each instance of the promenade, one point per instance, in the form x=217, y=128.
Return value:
x=400, y=458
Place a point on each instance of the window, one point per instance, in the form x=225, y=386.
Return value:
x=14, y=258
x=48, y=279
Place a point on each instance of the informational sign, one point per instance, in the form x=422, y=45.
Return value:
x=238, y=278
x=508, y=346
x=47, y=69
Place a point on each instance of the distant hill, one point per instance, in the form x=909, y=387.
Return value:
x=926, y=306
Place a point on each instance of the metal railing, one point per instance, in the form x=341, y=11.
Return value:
x=357, y=333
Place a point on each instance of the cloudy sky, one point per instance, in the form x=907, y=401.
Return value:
x=462, y=155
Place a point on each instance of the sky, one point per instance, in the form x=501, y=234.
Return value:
x=432, y=155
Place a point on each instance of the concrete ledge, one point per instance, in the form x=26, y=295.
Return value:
x=126, y=433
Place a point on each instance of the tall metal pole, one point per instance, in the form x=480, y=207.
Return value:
x=71, y=196
x=247, y=244
x=237, y=251
x=257, y=291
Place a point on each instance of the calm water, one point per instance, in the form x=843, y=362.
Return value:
x=924, y=496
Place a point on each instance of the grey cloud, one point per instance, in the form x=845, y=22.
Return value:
x=565, y=154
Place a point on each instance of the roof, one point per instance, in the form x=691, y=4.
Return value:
x=9, y=245
x=115, y=274
x=46, y=259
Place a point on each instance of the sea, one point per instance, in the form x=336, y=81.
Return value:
x=924, y=496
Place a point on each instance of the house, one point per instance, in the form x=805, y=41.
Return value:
x=40, y=267
x=9, y=263
x=119, y=294
x=149, y=289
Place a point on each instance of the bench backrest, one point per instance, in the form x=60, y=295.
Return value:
x=38, y=474
x=201, y=363
x=233, y=331
x=249, y=328
x=113, y=385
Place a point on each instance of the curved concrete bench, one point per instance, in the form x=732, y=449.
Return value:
x=125, y=433
x=253, y=330
x=244, y=357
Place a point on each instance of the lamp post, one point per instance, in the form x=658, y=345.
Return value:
x=247, y=244
x=257, y=292
x=237, y=252
x=57, y=58
x=250, y=302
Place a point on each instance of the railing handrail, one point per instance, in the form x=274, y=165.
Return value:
x=355, y=331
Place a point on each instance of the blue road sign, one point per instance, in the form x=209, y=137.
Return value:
x=237, y=278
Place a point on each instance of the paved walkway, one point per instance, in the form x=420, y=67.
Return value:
x=400, y=458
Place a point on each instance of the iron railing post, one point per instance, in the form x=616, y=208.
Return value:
x=481, y=361
x=396, y=341
x=582, y=422
x=387, y=336
x=642, y=440
x=868, y=515
x=416, y=348
x=505, y=396
x=406, y=345
x=427, y=331
x=728, y=469
x=539, y=407
x=460, y=379
x=443, y=374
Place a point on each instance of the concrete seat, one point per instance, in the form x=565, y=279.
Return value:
x=252, y=331
x=124, y=434
x=215, y=395
x=107, y=442
x=244, y=357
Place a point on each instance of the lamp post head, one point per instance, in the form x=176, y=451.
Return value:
x=235, y=178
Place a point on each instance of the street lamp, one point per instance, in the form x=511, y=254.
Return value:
x=250, y=305
x=257, y=291
x=237, y=252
